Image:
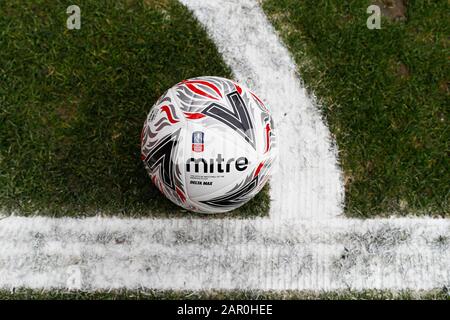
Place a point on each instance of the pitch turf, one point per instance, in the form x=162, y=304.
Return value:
x=224, y=295
x=73, y=103
x=385, y=97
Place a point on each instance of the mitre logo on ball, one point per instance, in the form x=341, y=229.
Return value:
x=208, y=144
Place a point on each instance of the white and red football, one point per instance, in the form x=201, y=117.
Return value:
x=209, y=144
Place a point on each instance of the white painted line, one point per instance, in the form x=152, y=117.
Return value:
x=225, y=254
x=287, y=251
x=307, y=181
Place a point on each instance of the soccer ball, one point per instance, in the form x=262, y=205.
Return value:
x=208, y=144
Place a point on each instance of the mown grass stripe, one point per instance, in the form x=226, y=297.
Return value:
x=73, y=103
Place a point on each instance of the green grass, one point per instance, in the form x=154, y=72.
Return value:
x=384, y=94
x=73, y=102
x=224, y=295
